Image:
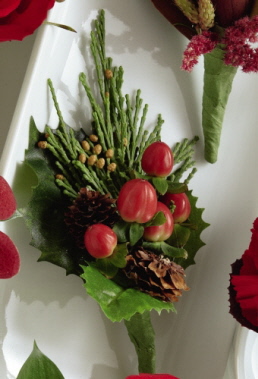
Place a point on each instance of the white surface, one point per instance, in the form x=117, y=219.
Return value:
x=41, y=303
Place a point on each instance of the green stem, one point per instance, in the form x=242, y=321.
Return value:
x=218, y=79
x=142, y=335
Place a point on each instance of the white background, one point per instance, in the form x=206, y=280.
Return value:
x=41, y=303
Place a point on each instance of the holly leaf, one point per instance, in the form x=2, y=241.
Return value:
x=39, y=366
x=119, y=303
x=44, y=214
x=180, y=236
x=194, y=242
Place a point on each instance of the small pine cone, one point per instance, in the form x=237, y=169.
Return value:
x=156, y=275
x=206, y=14
x=90, y=207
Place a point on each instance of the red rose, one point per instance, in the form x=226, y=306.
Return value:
x=151, y=376
x=243, y=287
x=20, y=18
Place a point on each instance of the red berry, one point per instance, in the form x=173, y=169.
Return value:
x=160, y=232
x=137, y=201
x=157, y=159
x=7, y=200
x=182, y=203
x=9, y=257
x=100, y=240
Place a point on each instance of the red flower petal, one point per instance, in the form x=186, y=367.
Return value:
x=9, y=257
x=7, y=200
x=24, y=20
x=175, y=17
x=243, y=287
x=228, y=11
x=8, y=6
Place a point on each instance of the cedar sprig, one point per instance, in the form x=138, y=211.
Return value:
x=118, y=125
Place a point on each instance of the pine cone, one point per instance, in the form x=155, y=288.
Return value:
x=156, y=275
x=90, y=207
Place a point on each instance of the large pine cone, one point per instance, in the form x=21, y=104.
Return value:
x=90, y=207
x=156, y=275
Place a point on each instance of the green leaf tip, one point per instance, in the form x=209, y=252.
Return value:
x=39, y=366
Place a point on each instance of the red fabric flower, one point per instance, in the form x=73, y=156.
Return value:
x=199, y=44
x=238, y=42
x=151, y=376
x=9, y=256
x=20, y=18
x=243, y=287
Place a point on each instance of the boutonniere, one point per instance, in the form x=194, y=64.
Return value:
x=225, y=33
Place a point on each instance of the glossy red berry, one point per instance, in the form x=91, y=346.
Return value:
x=160, y=232
x=182, y=204
x=157, y=159
x=9, y=257
x=100, y=240
x=137, y=201
x=7, y=200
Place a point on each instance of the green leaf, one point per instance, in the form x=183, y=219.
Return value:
x=44, y=215
x=39, y=366
x=106, y=267
x=176, y=187
x=119, y=303
x=135, y=232
x=180, y=236
x=160, y=184
x=158, y=219
x=142, y=335
x=194, y=242
x=118, y=256
x=166, y=249
x=218, y=79
x=121, y=229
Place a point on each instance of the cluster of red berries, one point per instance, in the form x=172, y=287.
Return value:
x=138, y=202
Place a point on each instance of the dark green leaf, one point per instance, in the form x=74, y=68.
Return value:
x=118, y=256
x=121, y=229
x=106, y=267
x=166, y=249
x=117, y=302
x=160, y=184
x=158, y=219
x=176, y=187
x=39, y=366
x=44, y=215
x=180, y=236
x=194, y=242
x=135, y=233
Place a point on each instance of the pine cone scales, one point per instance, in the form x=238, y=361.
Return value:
x=156, y=275
x=90, y=207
